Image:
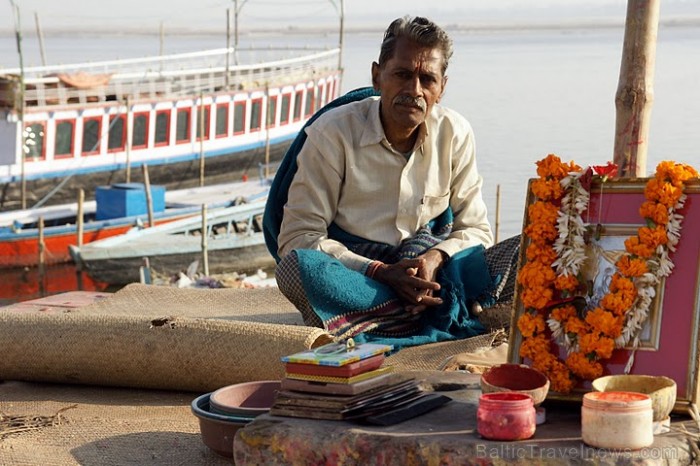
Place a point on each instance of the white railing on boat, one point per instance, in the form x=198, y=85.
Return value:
x=160, y=77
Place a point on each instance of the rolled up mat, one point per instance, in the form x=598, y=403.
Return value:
x=128, y=344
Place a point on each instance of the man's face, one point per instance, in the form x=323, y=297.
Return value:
x=411, y=82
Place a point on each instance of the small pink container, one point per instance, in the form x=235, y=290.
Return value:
x=506, y=416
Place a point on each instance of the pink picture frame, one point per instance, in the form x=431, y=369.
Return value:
x=670, y=337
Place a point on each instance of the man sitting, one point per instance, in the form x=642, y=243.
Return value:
x=384, y=228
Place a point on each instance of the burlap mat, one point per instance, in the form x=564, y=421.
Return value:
x=157, y=337
x=146, y=337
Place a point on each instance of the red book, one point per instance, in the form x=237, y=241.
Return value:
x=348, y=370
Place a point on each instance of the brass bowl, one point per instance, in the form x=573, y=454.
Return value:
x=661, y=390
x=516, y=378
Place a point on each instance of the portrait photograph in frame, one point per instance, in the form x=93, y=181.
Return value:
x=669, y=338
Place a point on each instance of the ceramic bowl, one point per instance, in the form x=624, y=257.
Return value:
x=217, y=430
x=661, y=390
x=245, y=399
x=516, y=378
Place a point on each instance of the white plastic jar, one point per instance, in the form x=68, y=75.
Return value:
x=617, y=420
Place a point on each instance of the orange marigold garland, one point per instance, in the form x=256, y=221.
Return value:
x=556, y=252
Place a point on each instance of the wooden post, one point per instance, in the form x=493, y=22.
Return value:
x=205, y=236
x=42, y=251
x=149, y=198
x=498, y=213
x=635, y=90
x=201, y=139
x=80, y=225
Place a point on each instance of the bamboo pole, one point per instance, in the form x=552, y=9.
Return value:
x=18, y=37
x=205, y=244
x=229, y=19
x=149, y=198
x=161, y=34
x=201, y=139
x=498, y=212
x=635, y=91
x=236, y=11
x=80, y=225
x=42, y=258
x=128, y=141
x=40, y=36
x=340, y=7
x=79, y=217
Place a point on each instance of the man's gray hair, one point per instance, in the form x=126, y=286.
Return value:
x=420, y=30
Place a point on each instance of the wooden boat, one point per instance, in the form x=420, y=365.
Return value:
x=125, y=208
x=235, y=243
x=187, y=116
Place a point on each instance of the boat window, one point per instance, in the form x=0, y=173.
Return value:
x=238, y=117
x=321, y=101
x=309, y=108
x=298, y=97
x=256, y=114
x=117, y=136
x=329, y=88
x=139, y=137
x=221, y=120
x=320, y=95
x=63, y=146
x=91, y=135
x=206, y=122
x=271, y=116
x=182, y=130
x=162, y=136
x=34, y=142
x=284, y=110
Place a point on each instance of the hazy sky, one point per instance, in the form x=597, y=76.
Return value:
x=210, y=14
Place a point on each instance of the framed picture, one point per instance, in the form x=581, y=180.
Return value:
x=669, y=338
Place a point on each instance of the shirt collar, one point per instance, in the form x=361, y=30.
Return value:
x=373, y=132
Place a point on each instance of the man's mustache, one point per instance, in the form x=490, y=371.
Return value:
x=404, y=99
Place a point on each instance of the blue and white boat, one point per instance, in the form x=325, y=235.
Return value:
x=188, y=117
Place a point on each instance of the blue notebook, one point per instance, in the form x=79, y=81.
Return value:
x=337, y=354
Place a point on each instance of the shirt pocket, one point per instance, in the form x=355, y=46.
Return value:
x=432, y=206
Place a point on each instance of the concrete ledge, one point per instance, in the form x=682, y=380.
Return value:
x=445, y=436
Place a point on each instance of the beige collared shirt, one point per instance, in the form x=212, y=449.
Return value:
x=349, y=174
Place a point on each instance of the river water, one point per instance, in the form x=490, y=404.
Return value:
x=526, y=92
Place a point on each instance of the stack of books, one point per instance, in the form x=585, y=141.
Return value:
x=344, y=381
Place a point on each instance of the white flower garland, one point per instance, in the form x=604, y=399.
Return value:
x=570, y=247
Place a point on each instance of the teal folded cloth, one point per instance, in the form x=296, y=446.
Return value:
x=352, y=305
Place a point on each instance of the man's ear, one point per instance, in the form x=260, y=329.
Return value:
x=375, y=75
x=444, y=85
